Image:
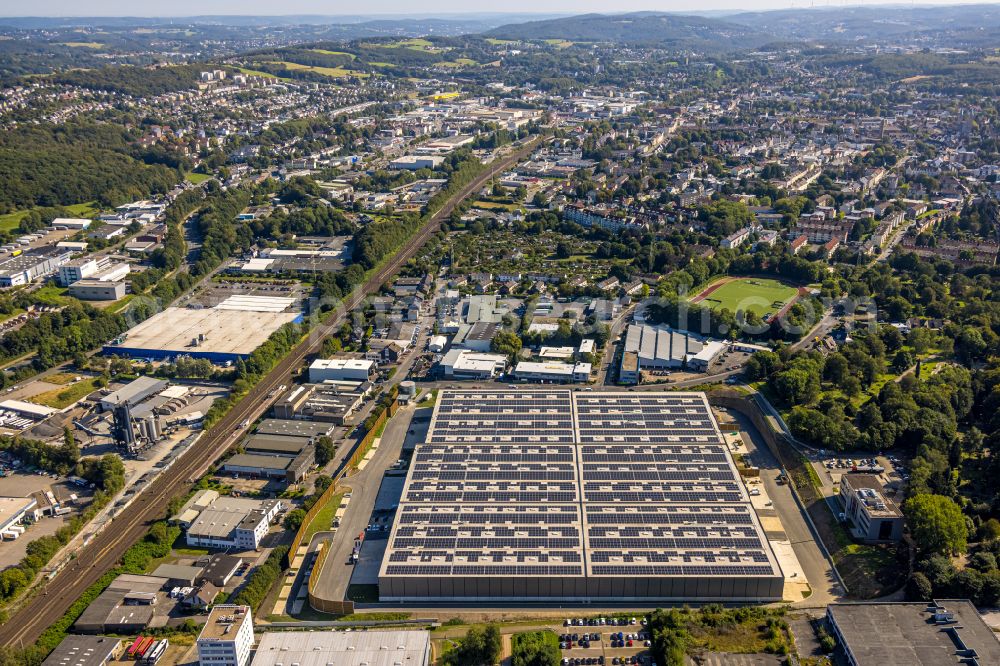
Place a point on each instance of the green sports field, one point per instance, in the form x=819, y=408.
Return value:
x=759, y=295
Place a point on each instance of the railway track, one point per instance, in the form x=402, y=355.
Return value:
x=55, y=597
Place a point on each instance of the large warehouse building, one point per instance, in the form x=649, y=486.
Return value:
x=552, y=495
x=231, y=330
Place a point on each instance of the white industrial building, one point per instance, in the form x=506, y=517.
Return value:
x=70, y=223
x=552, y=372
x=340, y=369
x=103, y=269
x=414, y=162
x=227, y=637
x=232, y=522
x=437, y=344
x=661, y=347
x=12, y=513
x=31, y=265
x=468, y=364
x=27, y=410
x=98, y=290
x=557, y=353
x=357, y=648
x=230, y=331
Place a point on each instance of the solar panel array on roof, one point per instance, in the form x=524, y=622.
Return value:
x=551, y=494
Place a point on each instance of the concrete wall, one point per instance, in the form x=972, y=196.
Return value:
x=618, y=588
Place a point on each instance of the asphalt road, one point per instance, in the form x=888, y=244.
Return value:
x=825, y=587
x=335, y=576
x=51, y=601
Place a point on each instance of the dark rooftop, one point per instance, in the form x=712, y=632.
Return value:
x=948, y=631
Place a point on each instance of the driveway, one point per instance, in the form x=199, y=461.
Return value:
x=826, y=588
x=363, y=486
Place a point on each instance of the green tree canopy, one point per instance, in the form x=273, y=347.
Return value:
x=937, y=524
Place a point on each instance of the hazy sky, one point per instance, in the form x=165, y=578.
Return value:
x=334, y=7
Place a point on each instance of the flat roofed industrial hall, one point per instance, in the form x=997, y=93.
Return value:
x=552, y=494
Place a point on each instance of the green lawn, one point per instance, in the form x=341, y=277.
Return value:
x=50, y=294
x=457, y=62
x=336, y=53
x=494, y=205
x=758, y=295
x=65, y=396
x=332, y=72
x=324, y=517
x=197, y=178
x=9, y=221
x=257, y=72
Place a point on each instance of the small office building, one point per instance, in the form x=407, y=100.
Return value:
x=233, y=522
x=873, y=517
x=340, y=369
x=467, y=364
x=98, y=290
x=227, y=637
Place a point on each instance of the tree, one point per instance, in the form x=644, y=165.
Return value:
x=796, y=386
x=918, y=588
x=761, y=365
x=294, y=519
x=970, y=345
x=836, y=368
x=920, y=339
x=325, y=448
x=902, y=361
x=535, y=648
x=480, y=647
x=990, y=530
x=70, y=449
x=937, y=524
x=507, y=343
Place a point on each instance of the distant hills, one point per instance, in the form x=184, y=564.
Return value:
x=872, y=23
x=923, y=26
x=638, y=28
x=345, y=27
x=961, y=24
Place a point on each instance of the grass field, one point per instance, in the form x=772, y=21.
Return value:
x=457, y=62
x=84, y=45
x=64, y=397
x=196, y=178
x=758, y=295
x=494, y=205
x=9, y=221
x=53, y=295
x=339, y=53
x=415, y=44
x=332, y=72
x=257, y=72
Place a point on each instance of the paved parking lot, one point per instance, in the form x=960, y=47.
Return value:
x=607, y=646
